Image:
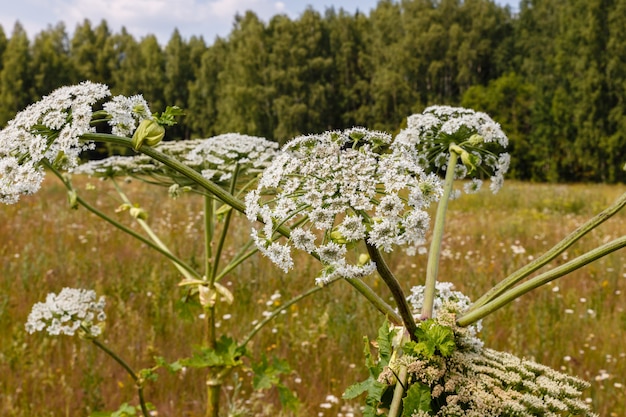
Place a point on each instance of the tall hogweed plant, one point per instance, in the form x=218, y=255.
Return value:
x=347, y=198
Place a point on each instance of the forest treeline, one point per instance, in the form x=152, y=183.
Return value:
x=553, y=74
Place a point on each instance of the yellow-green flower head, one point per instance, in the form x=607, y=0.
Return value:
x=473, y=136
x=149, y=132
x=337, y=190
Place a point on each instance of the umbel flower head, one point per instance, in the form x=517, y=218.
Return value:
x=468, y=380
x=335, y=190
x=216, y=158
x=65, y=313
x=52, y=128
x=474, y=136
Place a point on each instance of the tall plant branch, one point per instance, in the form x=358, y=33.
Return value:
x=432, y=267
x=556, y=250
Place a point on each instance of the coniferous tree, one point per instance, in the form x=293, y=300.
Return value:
x=91, y=52
x=244, y=92
x=15, y=77
x=179, y=74
x=202, y=108
x=3, y=44
x=50, y=63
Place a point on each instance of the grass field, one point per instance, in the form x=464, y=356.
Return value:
x=577, y=324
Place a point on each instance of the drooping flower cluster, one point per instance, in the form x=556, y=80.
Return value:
x=473, y=135
x=51, y=129
x=216, y=158
x=65, y=313
x=335, y=190
x=470, y=380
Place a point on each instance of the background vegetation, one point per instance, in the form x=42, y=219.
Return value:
x=554, y=75
x=576, y=325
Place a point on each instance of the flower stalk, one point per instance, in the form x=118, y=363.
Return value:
x=432, y=267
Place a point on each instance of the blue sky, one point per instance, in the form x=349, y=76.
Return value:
x=207, y=18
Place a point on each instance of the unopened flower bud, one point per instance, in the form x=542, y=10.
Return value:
x=475, y=140
x=337, y=237
x=364, y=258
x=469, y=160
x=148, y=132
x=72, y=198
x=138, y=213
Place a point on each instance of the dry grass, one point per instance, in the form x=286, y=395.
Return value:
x=577, y=324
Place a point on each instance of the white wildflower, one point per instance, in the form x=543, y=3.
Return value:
x=474, y=134
x=67, y=312
x=48, y=129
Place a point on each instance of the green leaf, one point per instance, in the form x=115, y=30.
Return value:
x=417, y=399
x=384, y=339
x=433, y=338
x=226, y=354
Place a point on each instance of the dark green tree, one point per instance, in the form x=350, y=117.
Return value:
x=91, y=52
x=245, y=92
x=15, y=77
x=50, y=63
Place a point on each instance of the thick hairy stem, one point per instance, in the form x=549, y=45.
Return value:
x=396, y=291
x=432, y=268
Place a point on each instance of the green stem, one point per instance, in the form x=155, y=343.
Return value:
x=128, y=369
x=220, y=243
x=213, y=189
x=120, y=226
x=146, y=227
x=539, y=280
x=396, y=403
x=432, y=267
x=556, y=250
x=214, y=385
x=396, y=291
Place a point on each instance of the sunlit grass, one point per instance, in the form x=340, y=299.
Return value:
x=577, y=324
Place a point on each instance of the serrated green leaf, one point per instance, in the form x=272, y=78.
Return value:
x=357, y=389
x=385, y=336
x=417, y=399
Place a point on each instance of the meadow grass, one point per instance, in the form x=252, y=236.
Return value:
x=577, y=324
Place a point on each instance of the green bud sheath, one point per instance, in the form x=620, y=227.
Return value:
x=148, y=132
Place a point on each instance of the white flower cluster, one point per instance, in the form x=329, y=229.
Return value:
x=337, y=189
x=67, y=312
x=475, y=133
x=51, y=129
x=216, y=158
x=126, y=113
x=447, y=305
